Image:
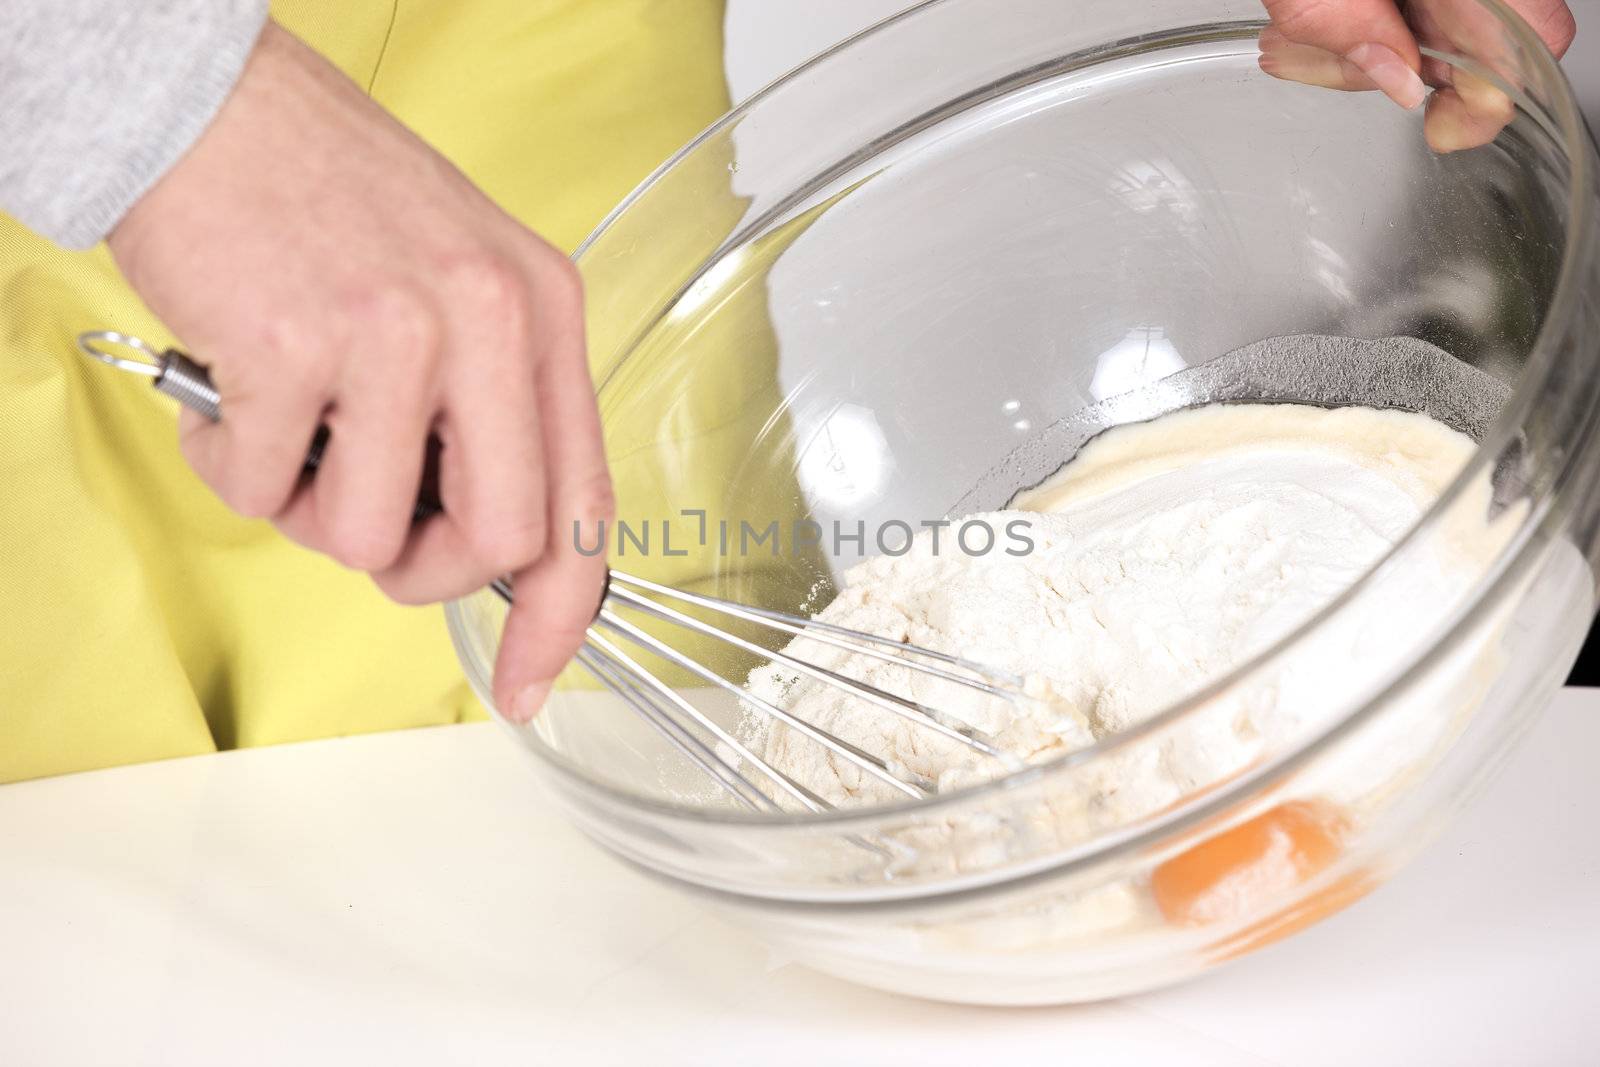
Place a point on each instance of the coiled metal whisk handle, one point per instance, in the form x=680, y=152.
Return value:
x=189, y=383
x=171, y=372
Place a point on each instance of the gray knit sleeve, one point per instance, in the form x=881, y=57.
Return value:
x=98, y=98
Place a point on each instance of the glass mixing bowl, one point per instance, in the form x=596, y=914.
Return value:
x=907, y=280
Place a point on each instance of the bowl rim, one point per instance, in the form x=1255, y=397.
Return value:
x=1203, y=804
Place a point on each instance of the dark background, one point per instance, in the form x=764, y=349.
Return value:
x=1587, y=670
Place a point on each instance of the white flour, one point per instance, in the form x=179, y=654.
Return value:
x=1166, y=554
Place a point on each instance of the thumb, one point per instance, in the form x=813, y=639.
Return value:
x=1370, y=38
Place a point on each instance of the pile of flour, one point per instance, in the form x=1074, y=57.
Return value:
x=1166, y=554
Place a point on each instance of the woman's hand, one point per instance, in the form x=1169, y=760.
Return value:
x=1373, y=44
x=331, y=268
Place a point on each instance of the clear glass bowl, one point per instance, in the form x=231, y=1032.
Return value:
x=882, y=289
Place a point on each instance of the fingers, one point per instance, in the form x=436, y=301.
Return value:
x=1368, y=38
x=1361, y=44
x=1282, y=58
x=1552, y=20
x=441, y=560
x=1470, y=113
x=437, y=563
x=522, y=459
x=1474, y=110
x=492, y=479
x=253, y=458
x=365, y=490
x=482, y=396
x=556, y=598
x=491, y=463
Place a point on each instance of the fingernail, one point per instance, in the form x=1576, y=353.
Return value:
x=1389, y=73
x=528, y=702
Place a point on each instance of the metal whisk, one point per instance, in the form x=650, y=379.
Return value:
x=683, y=725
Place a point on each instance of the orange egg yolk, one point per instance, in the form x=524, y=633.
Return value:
x=1247, y=869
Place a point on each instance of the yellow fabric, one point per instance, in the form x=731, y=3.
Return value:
x=142, y=619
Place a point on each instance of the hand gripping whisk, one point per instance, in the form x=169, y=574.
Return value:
x=688, y=729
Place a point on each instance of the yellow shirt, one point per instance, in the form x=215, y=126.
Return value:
x=143, y=620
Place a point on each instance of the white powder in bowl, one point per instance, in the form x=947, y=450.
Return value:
x=1165, y=554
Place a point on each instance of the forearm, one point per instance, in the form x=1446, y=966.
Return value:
x=98, y=98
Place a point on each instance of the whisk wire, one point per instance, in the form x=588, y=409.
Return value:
x=665, y=694
x=618, y=677
x=659, y=705
x=860, y=758
x=890, y=702
x=989, y=680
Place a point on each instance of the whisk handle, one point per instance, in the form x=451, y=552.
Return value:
x=189, y=383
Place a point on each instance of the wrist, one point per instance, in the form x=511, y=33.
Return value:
x=202, y=173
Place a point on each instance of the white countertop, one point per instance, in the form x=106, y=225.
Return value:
x=407, y=899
